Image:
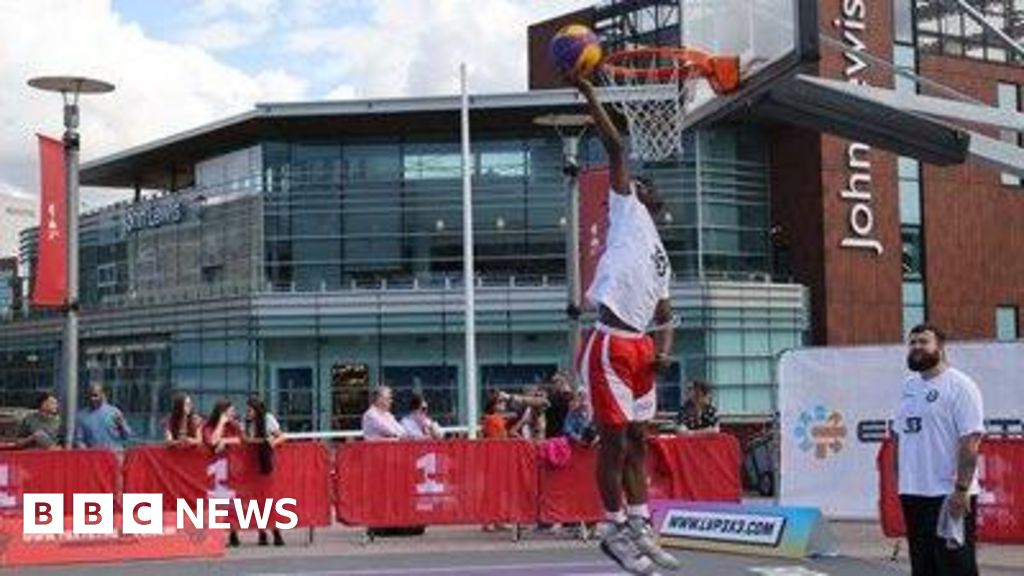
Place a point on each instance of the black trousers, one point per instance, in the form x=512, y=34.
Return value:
x=929, y=554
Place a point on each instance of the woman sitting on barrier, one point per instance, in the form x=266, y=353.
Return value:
x=184, y=426
x=262, y=428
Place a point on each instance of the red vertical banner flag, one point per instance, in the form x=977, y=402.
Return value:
x=51, y=268
x=594, y=188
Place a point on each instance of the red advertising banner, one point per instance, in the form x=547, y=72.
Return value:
x=55, y=472
x=396, y=484
x=702, y=468
x=19, y=549
x=1001, y=474
x=594, y=187
x=51, y=270
x=301, y=471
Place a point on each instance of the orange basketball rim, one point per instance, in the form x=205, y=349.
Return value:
x=664, y=65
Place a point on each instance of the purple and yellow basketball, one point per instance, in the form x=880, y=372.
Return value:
x=576, y=51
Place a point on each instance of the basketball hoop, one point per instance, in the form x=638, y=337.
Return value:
x=664, y=81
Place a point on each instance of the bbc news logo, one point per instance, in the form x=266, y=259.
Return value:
x=44, y=514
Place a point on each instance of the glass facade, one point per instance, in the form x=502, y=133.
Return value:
x=944, y=28
x=909, y=184
x=358, y=214
x=1008, y=98
x=313, y=270
x=1006, y=323
x=8, y=283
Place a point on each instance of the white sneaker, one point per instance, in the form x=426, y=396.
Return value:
x=643, y=537
x=618, y=544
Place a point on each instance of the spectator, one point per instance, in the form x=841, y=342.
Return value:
x=262, y=427
x=378, y=421
x=43, y=428
x=530, y=422
x=220, y=431
x=101, y=424
x=560, y=395
x=495, y=426
x=698, y=414
x=184, y=427
x=418, y=425
x=578, y=427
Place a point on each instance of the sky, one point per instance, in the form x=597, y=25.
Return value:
x=178, y=64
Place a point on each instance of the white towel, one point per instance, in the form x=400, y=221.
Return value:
x=952, y=529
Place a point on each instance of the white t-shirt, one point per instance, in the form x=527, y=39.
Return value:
x=381, y=425
x=932, y=417
x=272, y=425
x=420, y=430
x=633, y=274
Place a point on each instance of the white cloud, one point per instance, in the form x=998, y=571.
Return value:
x=341, y=92
x=162, y=87
x=222, y=25
x=224, y=35
x=415, y=46
x=252, y=8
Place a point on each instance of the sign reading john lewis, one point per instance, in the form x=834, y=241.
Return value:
x=153, y=216
x=858, y=193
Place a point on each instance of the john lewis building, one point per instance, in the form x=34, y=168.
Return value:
x=307, y=249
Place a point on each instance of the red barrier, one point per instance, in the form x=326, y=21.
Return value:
x=301, y=471
x=55, y=472
x=570, y=494
x=393, y=484
x=1000, y=505
x=698, y=468
x=21, y=550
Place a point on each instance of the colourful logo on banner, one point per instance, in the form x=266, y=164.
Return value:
x=821, y=430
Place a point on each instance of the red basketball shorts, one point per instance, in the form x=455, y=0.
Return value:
x=617, y=368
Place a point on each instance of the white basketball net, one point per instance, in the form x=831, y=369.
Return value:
x=655, y=108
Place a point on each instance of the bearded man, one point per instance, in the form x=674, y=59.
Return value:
x=938, y=428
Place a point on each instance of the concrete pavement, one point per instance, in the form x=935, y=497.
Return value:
x=463, y=551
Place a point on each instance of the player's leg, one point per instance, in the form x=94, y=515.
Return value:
x=612, y=407
x=635, y=474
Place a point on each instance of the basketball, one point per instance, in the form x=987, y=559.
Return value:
x=575, y=50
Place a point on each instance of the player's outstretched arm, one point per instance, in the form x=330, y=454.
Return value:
x=614, y=145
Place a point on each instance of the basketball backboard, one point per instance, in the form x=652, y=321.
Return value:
x=774, y=39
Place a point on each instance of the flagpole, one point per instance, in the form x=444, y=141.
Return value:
x=468, y=275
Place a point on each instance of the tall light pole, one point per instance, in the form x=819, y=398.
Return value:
x=70, y=87
x=570, y=128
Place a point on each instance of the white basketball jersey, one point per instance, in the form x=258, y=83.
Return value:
x=634, y=271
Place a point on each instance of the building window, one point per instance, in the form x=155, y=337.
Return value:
x=903, y=20
x=913, y=253
x=1006, y=323
x=943, y=27
x=913, y=305
x=1009, y=99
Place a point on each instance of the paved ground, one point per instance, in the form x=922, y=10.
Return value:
x=465, y=551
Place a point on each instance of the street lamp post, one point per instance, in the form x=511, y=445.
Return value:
x=70, y=87
x=570, y=128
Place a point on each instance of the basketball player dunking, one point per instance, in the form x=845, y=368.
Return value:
x=620, y=361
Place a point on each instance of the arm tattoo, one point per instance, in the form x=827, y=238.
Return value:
x=967, y=459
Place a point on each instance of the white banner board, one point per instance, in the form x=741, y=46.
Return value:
x=835, y=405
